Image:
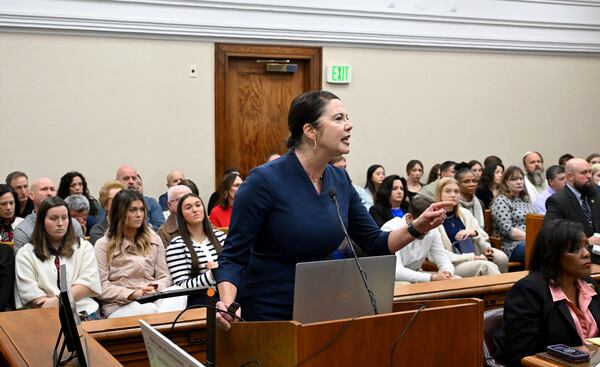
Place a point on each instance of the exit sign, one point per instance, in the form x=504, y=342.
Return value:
x=339, y=74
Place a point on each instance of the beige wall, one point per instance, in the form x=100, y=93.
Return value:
x=93, y=103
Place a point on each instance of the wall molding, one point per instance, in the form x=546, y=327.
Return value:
x=475, y=24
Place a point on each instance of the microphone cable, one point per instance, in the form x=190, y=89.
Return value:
x=333, y=196
x=410, y=322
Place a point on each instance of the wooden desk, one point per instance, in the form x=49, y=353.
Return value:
x=27, y=338
x=491, y=289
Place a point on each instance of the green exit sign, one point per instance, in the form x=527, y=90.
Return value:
x=339, y=74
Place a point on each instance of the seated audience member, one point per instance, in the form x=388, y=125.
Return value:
x=375, y=176
x=9, y=202
x=193, y=254
x=410, y=258
x=221, y=213
x=467, y=183
x=54, y=243
x=131, y=261
x=556, y=303
x=464, y=240
x=556, y=182
x=489, y=183
x=390, y=201
x=9, y=207
x=79, y=209
x=73, y=183
x=130, y=178
x=365, y=198
x=214, y=197
x=414, y=172
x=578, y=201
x=596, y=176
x=447, y=169
x=593, y=158
x=173, y=178
x=107, y=193
x=41, y=189
x=19, y=182
x=509, y=210
x=492, y=159
x=563, y=159
x=434, y=173
x=170, y=229
x=535, y=184
x=476, y=168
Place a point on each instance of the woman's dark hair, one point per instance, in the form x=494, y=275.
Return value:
x=226, y=184
x=185, y=233
x=65, y=183
x=189, y=183
x=5, y=189
x=385, y=191
x=487, y=176
x=555, y=239
x=42, y=244
x=461, y=168
x=474, y=162
x=492, y=159
x=412, y=164
x=433, y=173
x=307, y=108
x=369, y=184
x=592, y=156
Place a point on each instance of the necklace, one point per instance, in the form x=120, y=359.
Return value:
x=315, y=180
x=451, y=219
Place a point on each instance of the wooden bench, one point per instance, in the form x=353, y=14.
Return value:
x=533, y=223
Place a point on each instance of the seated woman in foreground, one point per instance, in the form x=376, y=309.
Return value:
x=192, y=256
x=131, y=260
x=556, y=303
x=53, y=243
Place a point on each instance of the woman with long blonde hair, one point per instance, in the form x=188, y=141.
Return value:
x=131, y=261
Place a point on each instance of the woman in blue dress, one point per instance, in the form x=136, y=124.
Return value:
x=283, y=214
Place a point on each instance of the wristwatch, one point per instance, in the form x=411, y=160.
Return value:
x=413, y=232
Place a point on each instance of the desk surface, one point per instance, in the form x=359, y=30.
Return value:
x=27, y=343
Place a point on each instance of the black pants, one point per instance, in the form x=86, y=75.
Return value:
x=7, y=278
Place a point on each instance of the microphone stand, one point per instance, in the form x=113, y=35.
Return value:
x=333, y=197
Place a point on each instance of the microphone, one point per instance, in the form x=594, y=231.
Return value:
x=333, y=196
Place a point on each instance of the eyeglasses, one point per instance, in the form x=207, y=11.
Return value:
x=470, y=181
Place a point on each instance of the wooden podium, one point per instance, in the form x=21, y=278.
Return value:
x=445, y=333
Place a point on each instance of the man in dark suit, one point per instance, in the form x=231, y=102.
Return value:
x=578, y=201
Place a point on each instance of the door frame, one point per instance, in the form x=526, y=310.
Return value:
x=223, y=51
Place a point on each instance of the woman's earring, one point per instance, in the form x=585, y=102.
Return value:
x=315, y=146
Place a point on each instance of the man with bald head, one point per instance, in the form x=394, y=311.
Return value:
x=535, y=182
x=173, y=178
x=41, y=189
x=129, y=177
x=170, y=229
x=578, y=201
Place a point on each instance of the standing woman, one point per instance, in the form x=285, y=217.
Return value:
x=467, y=183
x=375, y=176
x=285, y=215
x=414, y=172
x=509, y=210
x=73, y=183
x=489, y=183
x=53, y=243
x=220, y=215
x=390, y=201
x=464, y=239
x=131, y=260
x=193, y=255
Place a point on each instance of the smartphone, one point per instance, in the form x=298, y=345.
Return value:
x=568, y=353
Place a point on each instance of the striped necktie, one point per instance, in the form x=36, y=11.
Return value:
x=587, y=211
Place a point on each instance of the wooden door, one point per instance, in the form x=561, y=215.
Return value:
x=252, y=103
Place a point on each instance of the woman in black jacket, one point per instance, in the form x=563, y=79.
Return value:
x=390, y=200
x=555, y=303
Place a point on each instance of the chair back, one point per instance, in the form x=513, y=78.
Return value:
x=492, y=321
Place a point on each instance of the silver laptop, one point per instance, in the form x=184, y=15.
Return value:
x=333, y=289
x=164, y=353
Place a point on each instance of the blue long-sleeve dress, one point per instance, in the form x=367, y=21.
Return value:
x=278, y=220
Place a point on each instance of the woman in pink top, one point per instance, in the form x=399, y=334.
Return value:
x=220, y=215
x=557, y=302
x=131, y=261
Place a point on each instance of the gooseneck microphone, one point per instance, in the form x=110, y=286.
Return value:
x=333, y=196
